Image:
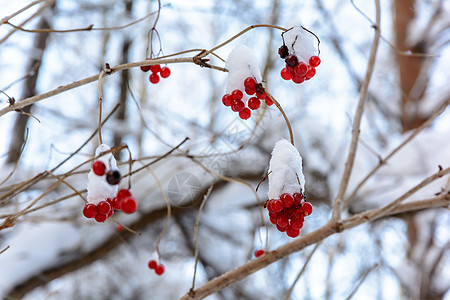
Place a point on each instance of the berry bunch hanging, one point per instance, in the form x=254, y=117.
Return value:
x=287, y=206
x=244, y=89
x=158, y=268
x=154, y=78
x=299, y=54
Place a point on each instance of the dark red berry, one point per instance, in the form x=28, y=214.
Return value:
x=89, y=210
x=245, y=113
x=292, y=232
x=227, y=100
x=296, y=224
x=311, y=72
x=250, y=83
x=285, y=74
x=113, y=177
x=117, y=203
x=250, y=91
x=273, y=220
x=301, y=69
x=237, y=95
x=155, y=68
x=165, y=72
x=103, y=207
x=277, y=205
x=259, y=252
x=145, y=68
x=287, y=199
x=237, y=106
x=298, y=79
x=307, y=208
x=152, y=264
x=314, y=61
x=129, y=205
x=254, y=103
x=99, y=168
x=298, y=198
x=154, y=78
x=268, y=101
x=100, y=218
x=290, y=70
x=159, y=269
x=283, y=51
x=259, y=90
x=291, y=60
x=282, y=221
x=282, y=229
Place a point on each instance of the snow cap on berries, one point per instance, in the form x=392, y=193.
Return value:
x=300, y=42
x=285, y=167
x=241, y=63
x=98, y=188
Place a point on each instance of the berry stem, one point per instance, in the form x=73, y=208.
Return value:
x=100, y=100
x=291, y=133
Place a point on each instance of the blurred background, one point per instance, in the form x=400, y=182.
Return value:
x=56, y=253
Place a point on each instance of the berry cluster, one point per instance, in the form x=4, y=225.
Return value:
x=164, y=72
x=159, y=268
x=254, y=92
x=297, y=70
x=288, y=213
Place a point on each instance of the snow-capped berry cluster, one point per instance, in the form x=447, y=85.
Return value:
x=299, y=55
x=244, y=89
x=164, y=72
x=158, y=268
x=287, y=207
x=102, y=196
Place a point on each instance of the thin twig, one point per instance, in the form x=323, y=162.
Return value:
x=7, y=18
x=100, y=102
x=291, y=133
x=361, y=281
x=6, y=248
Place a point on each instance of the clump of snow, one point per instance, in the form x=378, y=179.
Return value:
x=286, y=170
x=300, y=42
x=241, y=63
x=98, y=188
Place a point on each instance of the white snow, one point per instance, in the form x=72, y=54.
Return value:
x=300, y=42
x=286, y=170
x=241, y=63
x=98, y=188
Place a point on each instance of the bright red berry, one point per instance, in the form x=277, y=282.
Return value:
x=129, y=205
x=152, y=264
x=301, y=69
x=245, y=113
x=311, y=72
x=145, y=68
x=100, y=218
x=103, y=207
x=155, y=68
x=237, y=106
x=227, y=100
x=254, y=103
x=307, y=208
x=298, y=79
x=237, y=95
x=314, y=61
x=296, y=224
x=89, y=210
x=273, y=221
x=277, y=205
x=268, y=101
x=292, y=232
x=281, y=229
x=285, y=74
x=159, y=269
x=250, y=91
x=99, y=168
x=282, y=221
x=154, y=78
x=287, y=199
x=117, y=203
x=259, y=252
x=165, y=72
x=250, y=83
x=123, y=193
x=298, y=198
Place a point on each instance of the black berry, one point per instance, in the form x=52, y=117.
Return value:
x=113, y=177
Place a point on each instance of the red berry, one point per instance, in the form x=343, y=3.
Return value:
x=298, y=198
x=227, y=100
x=99, y=168
x=89, y=210
x=237, y=106
x=299, y=214
x=129, y=205
x=119, y=228
x=261, y=96
x=250, y=83
x=291, y=60
x=159, y=269
x=268, y=101
x=301, y=69
x=250, y=91
x=285, y=74
x=311, y=72
x=283, y=51
x=117, y=203
x=259, y=252
x=314, y=61
x=113, y=177
x=254, y=103
x=154, y=78
x=307, y=208
x=287, y=199
x=123, y=193
x=296, y=224
x=245, y=114
x=145, y=68
x=152, y=264
x=237, y=95
x=165, y=72
x=282, y=221
x=100, y=218
x=292, y=232
x=155, y=68
x=104, y=207
x=109, y=215
x=290, y=70
x=277, y=205
x=282, y=229
x=273, y=221
x=298, y=79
